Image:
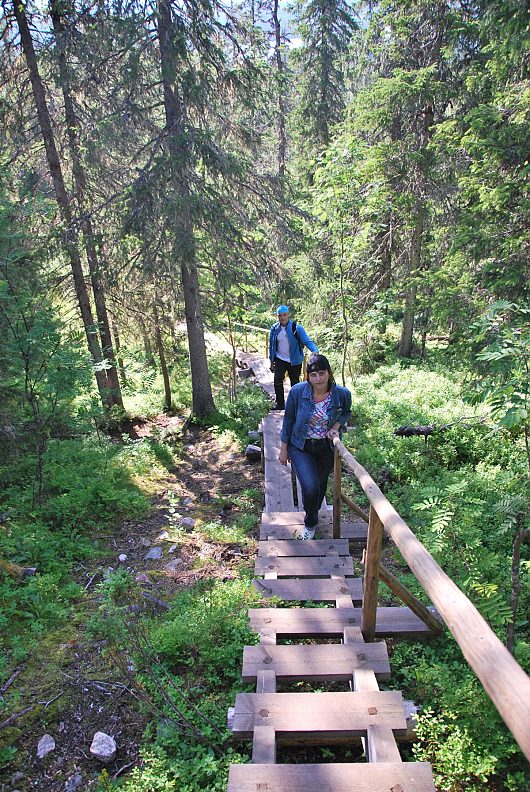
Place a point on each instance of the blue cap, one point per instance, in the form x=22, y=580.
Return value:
x=282, y=309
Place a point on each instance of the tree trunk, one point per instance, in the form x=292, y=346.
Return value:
x=162, y=356
x=119, y=358
x=407, y=328
x=185, y=252
x=522, y=536
x=70, y=238
x=88, y=233
x=148, y=348
x=280, y=67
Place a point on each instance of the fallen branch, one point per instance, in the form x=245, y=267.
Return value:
x=47, y=703
x=11, y=679
x=12, y=718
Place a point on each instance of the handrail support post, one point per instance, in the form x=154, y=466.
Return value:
x=337, y=476
x=371, y=575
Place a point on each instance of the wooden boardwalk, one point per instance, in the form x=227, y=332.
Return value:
x=320, y=572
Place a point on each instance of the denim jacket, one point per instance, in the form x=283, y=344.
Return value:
x=300, y=407
x=295, y=354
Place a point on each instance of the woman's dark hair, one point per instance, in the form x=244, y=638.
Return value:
x=318, y=362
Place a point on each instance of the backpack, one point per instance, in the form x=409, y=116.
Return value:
x=300, y=343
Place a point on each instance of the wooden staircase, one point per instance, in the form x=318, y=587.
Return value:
x=318, y=572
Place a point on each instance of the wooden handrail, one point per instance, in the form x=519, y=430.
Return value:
x=252, y=327
x=505, y=682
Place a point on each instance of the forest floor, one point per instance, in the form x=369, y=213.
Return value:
x=72, y=686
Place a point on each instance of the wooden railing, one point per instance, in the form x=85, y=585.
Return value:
x=505, y=682
x=254, y=329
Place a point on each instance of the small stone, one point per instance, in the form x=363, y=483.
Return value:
x=186, y=501
x=73, y=783
x=174, y=564
x=103, y=747
x=45, y=745
x=164, y=537
x=107, y=572
x=144, y=542
x=154, y=553
x=253, y=453
x=16, y=777
x=142, y=578
x=122, y=558
x=173, y=548
x=188, y=521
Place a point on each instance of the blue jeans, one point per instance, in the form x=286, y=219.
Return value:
x=312, y=467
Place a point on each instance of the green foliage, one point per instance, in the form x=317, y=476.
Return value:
x=239, y=416
x=90, y=490
x=504, y=362
x=182, y=767
x=206, y=630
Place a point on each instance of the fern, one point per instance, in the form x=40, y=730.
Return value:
x=492, y=603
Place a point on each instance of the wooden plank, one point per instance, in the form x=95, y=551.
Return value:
x=264, y=745
x=330, y=622
x=381, y=745
x=355, y=777
x=319, y=566
x=310, y=547
x=316, y=662
x=265, y=681
x=283, y=518
x=278, y=484
x=314, y=589
x=323, y=716
x=354, y=532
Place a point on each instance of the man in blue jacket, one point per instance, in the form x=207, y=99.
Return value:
x=287, y=340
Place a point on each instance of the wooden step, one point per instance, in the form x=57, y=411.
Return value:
x=286, y=566
x=305, y=589
x=383, y=777
x=330, y=622
x=311, y=547
x=318, y=718
x=315, y=663
x=353, y=531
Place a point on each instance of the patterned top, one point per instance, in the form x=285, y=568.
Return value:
x=318, y=423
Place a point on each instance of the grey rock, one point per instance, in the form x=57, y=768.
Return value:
x=174, y=564
x=173, y=548
x=253, y=453
x=188, y=521
x=45, y=745
x=107, y=572
x=154, y=553
x=142, y=578
x=16, y=777
x=164, y=536
x=144, y=542
x=186, y=500
x=73, y=783
x=103, y=747
x=122, y=558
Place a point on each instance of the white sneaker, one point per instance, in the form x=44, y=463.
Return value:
x=308, y=533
